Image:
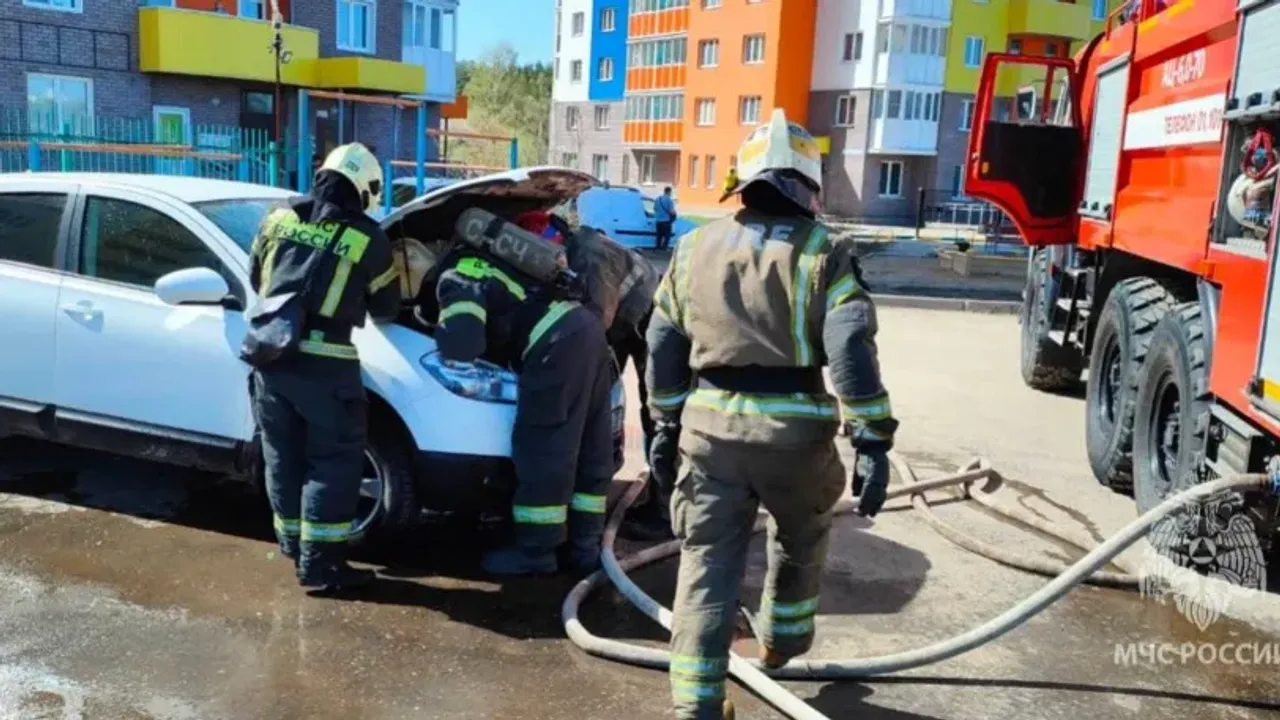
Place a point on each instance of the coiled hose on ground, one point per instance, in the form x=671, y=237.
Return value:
x=1087, y=569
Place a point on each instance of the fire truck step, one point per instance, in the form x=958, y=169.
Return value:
x=1059, y=337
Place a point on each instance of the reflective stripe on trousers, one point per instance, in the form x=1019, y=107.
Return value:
x=797, y=405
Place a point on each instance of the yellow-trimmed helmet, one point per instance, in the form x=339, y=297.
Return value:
x=784, y=154
x=354, y=162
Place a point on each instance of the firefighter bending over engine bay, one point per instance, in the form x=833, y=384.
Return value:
x=754, y=305
x=562, y=444
x=321, y=265
x=619, y=284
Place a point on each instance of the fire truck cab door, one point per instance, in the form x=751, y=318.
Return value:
x=1026, y=146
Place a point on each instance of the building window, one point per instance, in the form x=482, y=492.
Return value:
x=606, y=69
x=575, y=71
x=569, y=160
x=626, y=168
x=709, y=53
x=845, y=107
x=556, y=72
x=60, y=5
x=1099, y=9
x=974, y=48
x=646, y=168
x=966, y=115
x=693, y=171
x=58, y=103
x=1015, y=46
x=852, y=46
x=891, y=179
x=899, y=37
x=572, y=118
x=655, y=53
x=957, y=181
x=1051, y=49
x=600, y=166
x=357, y=22
x=253, y=9
x=895, y=105
x=710, y=4
x=711, y=171
x=579, y=24
x=749, y=110
x=655, y=107
x=602, y=117
x=753, y=49
x=877, y=104
x=919, y=41
x=882, y=37
x=706, y=108
x=608, y=20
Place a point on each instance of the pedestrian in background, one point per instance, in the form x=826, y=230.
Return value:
x=664, y=215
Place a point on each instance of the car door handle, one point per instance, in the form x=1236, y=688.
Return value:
x=84, y=310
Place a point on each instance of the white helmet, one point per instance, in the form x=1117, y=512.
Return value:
x=777, y=152
x=354, y=162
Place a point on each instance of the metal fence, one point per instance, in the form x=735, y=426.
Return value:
x=33, y=141
x=946, y=207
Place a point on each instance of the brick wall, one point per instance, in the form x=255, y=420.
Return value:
x=843, y=169
x=62, y=43
x=323, y=16
x=587, y=141
x=953, y=143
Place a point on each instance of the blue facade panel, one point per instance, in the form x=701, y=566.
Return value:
x=608, y=41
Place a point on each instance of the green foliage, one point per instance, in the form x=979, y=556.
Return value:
x=506, y=98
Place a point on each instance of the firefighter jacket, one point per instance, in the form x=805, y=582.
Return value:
x=338, y=261
x=618, y=282
x=488, y=309
x=747, y=314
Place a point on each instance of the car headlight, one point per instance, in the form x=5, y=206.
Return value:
x=478, y=380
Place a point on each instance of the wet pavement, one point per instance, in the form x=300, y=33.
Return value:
x=134, y=591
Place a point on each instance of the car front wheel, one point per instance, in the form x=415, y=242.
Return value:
x=388, y=506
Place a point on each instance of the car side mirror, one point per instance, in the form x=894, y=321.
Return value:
x=192, y=286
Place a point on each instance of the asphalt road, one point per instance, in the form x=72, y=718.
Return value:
x=131, y=591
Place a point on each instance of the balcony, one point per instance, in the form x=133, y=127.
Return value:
x=1050, y=17
x=906, y=9
x=902, y=68
x=903, y=137
x=205, y=44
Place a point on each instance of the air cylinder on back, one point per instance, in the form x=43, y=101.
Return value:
x=537, y=257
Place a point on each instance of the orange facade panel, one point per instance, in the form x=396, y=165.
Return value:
x=665, y=22
x=644, y=132
x=660, y=78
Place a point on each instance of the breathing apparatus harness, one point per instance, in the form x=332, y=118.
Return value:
x=538, y=259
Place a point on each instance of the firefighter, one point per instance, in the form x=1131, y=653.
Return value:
x=562, y=443
x=752, y=306
x=619, y=285
x=325, y=254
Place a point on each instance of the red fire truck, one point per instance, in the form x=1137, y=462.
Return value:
x=1142, y=174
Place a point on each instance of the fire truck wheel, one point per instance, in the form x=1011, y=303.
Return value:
x=1125, y=327
x=1046, y=365
x=1173, y=409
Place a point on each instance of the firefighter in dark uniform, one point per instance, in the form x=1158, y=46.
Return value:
x=619, y=285
x=562, y=443
x=327, y=254
x=753, y=306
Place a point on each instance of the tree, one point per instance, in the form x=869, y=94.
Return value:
x=506, y=98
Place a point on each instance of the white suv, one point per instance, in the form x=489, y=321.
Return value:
x=122, y=299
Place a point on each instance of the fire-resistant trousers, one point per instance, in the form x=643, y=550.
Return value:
x=713, y=510
x=562, y=443
x=311, y=412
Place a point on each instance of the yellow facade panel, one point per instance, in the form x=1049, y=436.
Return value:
x=192, y=42
x=366, y=73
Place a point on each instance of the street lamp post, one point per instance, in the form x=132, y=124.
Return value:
x=282, y=58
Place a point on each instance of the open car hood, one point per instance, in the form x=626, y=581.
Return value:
x=505, y=194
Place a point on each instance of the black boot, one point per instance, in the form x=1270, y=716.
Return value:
x=326, y=572
x=650, y=520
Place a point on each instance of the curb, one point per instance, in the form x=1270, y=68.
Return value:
x=918, y=302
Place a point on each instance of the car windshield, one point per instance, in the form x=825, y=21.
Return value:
x=239, y=219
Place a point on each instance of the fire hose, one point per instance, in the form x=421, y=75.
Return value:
x=763, y=682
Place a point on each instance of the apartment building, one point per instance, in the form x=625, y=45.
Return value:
x=886, y=85
x=191, y=65
x=589, y=78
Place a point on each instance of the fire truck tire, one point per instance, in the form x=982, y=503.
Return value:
x=1046, y=365
x=1121, y=340
x=1173, y=409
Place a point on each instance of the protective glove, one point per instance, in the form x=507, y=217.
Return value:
x=870, y=481
x=664, y=454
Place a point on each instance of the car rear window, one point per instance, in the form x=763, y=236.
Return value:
x=29, y=227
